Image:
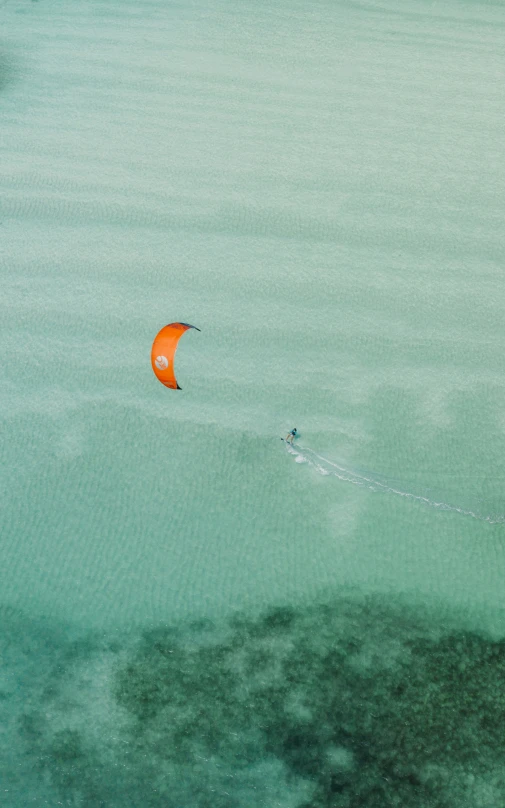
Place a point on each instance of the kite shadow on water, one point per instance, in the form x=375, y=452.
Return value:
x=328, y=468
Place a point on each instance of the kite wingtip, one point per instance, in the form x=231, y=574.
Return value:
x=188, y=325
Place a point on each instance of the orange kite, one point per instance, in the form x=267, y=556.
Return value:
x=163, y=352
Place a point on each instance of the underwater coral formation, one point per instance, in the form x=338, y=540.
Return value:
x=338, y=705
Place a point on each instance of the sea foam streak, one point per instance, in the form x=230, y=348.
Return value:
x=326, y=467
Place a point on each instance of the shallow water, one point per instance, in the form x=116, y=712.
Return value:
x=318, y=187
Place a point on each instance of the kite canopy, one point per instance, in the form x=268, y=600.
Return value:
x=163, y=352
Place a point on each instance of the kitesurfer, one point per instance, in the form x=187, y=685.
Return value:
x=291, y=436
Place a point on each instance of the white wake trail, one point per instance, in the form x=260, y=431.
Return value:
x=304, y=454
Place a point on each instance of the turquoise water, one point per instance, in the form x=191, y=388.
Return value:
x=319, y=188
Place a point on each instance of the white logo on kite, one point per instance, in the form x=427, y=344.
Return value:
x=161, y=362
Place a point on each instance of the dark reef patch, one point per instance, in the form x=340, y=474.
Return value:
x=339, y=705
